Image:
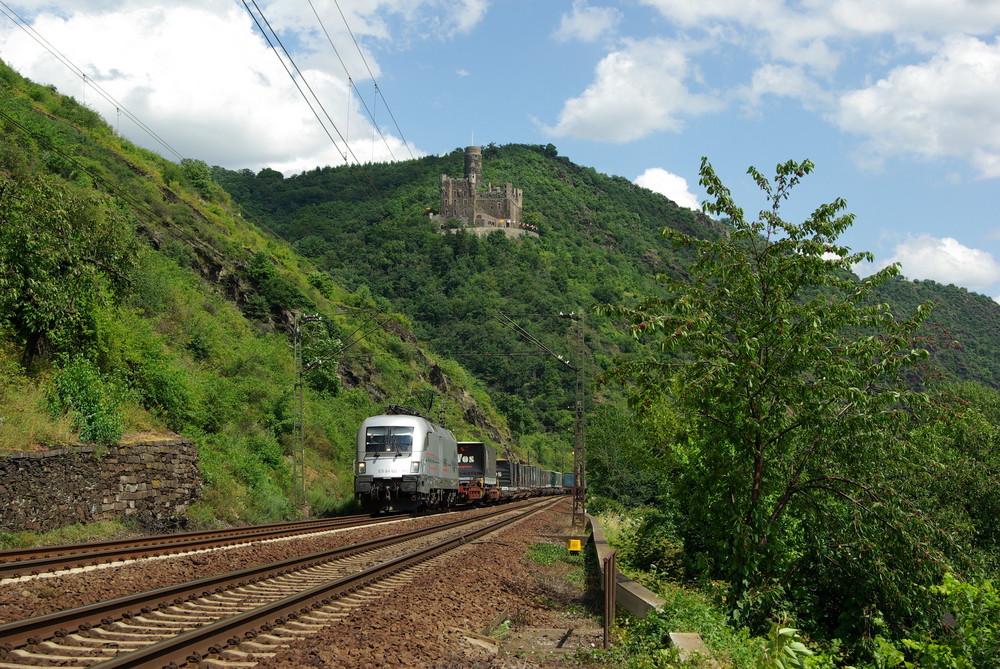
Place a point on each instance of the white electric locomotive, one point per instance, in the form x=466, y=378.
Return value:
x=405, y=462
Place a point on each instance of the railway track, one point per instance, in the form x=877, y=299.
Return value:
x=238, y=617
x=22, y=562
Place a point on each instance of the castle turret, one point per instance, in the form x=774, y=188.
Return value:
x=474, y=165
x=480, y=206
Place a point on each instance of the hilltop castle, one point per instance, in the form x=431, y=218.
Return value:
x=478, y=209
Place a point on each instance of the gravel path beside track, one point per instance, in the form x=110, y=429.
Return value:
x=430, y=624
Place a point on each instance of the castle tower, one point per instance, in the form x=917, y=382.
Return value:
x=474, y=165
x=477, y=205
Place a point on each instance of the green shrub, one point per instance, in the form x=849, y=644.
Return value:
x=163, y=389
x=655, y=544
x=80, y=388
x=247, y=477
x=972, y=641
x=598, y=505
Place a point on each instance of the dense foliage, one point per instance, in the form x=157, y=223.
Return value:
x=135, y=299
x=369, y=228
x=811, y=471
x=796, y=453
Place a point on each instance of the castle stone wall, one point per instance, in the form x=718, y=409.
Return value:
x=475, y=204
x=152, y=482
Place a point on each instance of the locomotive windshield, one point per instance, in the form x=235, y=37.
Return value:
x=389, y=440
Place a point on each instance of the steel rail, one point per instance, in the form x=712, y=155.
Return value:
x=12, y=554
x=195, y=645
x=34, y=630
x=65, y=557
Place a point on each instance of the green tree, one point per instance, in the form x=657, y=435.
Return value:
x=91, y=397
x=972, y=637
x=61, y=253
x=199, y=175
x=616, y=436
x=789, y=376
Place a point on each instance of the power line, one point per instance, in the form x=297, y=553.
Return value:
x=535, y=354
x=370, y=74
x=267, y=36
x=352, y=85
x=87, y=81
x=508, y=322
x=111, y=187
x=291, y=60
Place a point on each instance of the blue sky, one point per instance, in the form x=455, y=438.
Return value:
x=896, y=101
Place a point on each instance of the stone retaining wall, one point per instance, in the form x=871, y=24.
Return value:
x=152, y=482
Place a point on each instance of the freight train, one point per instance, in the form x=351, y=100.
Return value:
x=406, y=462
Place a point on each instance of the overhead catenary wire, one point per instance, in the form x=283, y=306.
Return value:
x=350, y=81
x=370, y=74
x=48, y=144
x=268, y=35
x=352, y=85
x=508, y=322
x=352, y=340
x=6, y=10
x=111, y=187
x=287, y=55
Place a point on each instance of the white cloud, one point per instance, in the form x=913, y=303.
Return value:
x=671, y=185
x=640, y=89
x=785, y=81
x=215, y=97
x=945, y=260
x=768, y=27
x=469, y=13
x=698, y=13
x=894, y=16
x=587, y=24
x=202, y=77
x=809, y=32
x=947, y=106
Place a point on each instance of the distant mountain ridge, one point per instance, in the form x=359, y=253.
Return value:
x=599, y=242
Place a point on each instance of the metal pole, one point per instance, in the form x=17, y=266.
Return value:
x=579, y=432
x=299, y=458
x=298, y=419
x=610, y=581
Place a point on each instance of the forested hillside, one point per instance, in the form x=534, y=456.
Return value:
x=368, y=227
x=134, y=299
x=813, y=449
x=963, y=331
x=599, y=242
x=786, y=446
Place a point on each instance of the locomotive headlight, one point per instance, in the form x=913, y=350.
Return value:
x=415, y=467
x=361, y=467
